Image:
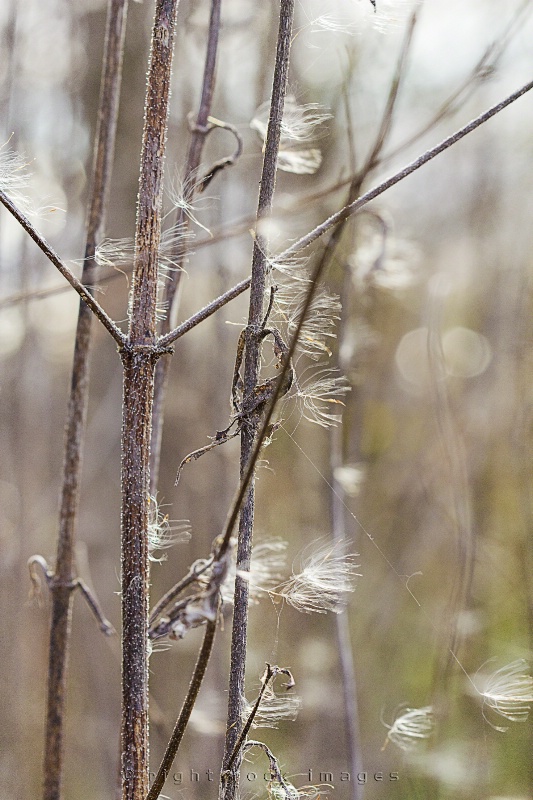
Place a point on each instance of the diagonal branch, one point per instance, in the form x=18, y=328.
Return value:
x=67, y=273
x=345, y=213
x=186, y=710
x=354, y=207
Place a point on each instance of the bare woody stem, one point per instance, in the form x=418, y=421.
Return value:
x=139, y=356
x=196, y=144
x=62, y=581
x=251, y=374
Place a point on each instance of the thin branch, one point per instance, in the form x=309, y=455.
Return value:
x=186, y=710
x=269, y=674
x=227, y=161
x=251, y=374
x=199, y=131
x=67, y=273
x=197, y=569
x=103, y=623
x=204, y=313
x=63, y=576
x=354, y=207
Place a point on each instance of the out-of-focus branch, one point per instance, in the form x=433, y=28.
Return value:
x=353, y=208
x=67, y=273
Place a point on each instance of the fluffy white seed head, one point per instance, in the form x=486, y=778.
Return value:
x=411, y=728
x=319, y=394
x=267, y=567
x=274, y=708
x=301, y=124
x=509, y=692
x=164, y=533
x=326, y=576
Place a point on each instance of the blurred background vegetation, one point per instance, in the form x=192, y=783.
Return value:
x=435, y=340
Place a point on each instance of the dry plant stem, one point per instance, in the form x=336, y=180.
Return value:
x=67, y=273
x=347, y=211
x=251, y=374
x=196, y=144
x=188, y=705
x=139, y=356
x=62, y=582
x=388, y=116
x=342, y=622
x=352, y=208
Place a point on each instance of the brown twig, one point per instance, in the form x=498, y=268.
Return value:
x=249, y=429
x=62, y=581
x=197, y=569
x=199, y=131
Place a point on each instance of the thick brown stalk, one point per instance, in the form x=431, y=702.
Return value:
x=229, y=784
x=139, y=357
x=62, y=583
x=139, y=364
x=194, y=156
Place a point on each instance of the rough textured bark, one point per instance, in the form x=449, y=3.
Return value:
x=139, y=357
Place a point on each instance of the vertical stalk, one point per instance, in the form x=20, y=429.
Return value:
x=342, y=621
x=251, y=374
x=194, y=156
x=62, y=583
x=139, y=357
